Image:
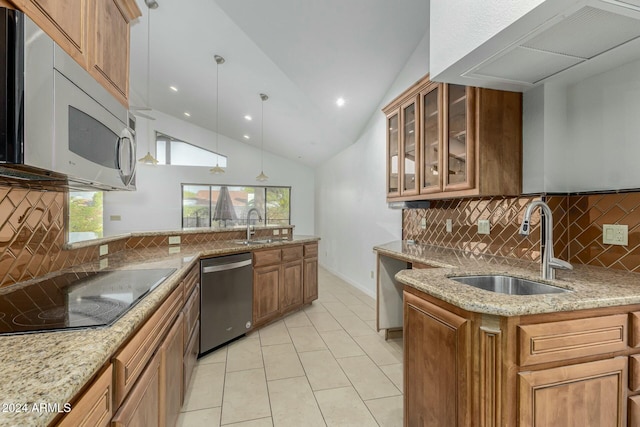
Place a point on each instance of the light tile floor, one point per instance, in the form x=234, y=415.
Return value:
x=324, y=365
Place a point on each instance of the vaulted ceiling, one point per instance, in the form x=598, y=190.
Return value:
x=304, y=54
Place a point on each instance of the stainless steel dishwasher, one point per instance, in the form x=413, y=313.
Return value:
x=226, y=299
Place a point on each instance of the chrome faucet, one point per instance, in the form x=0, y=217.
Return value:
x=251, y=232
x=549, y=263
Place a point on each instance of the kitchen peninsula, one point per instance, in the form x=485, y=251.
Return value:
x=516, y=359
x=56, y=368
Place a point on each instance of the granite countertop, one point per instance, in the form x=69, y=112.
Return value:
x=52, y=367
x=592, y=287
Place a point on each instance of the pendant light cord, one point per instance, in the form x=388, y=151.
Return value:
x=262, y=137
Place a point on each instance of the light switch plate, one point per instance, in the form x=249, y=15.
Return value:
x=104, y=250
x=449, y=225
x=115, y=218
x=285, y=231
x=174, y=250
x=423, y=223
x=276, y=232
x=484, y=226
x=174, y=240
x=615, y=234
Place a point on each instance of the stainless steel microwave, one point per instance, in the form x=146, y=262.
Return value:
x=60, y=125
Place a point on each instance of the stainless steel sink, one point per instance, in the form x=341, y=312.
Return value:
x=255, y=242
x=509, y=285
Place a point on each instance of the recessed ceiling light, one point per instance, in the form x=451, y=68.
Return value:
x=248, y=117
x=173, y=88
x=188, y=114
x=340, y=102
x=246, y=136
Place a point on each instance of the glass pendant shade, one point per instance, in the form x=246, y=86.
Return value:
x=262, y=177
x=148, y=159
x=217, y=169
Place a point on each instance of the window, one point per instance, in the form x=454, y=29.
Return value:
x=171, y=151
x=226, y=206
x=85, y=215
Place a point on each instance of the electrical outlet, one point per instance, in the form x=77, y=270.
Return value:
x=115, y=218
x=174, y=240
x=104, y=263
x=484, y=226
x=104, y=250
x=174, y=249
x=372, y=274
x=423, y=223
x=285, y=231
x=449, y=225
x=276, y=232
x=615, y=234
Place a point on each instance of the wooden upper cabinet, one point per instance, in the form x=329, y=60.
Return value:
x=109, y=40
x=468, y=141
x=109, y=59
x=431, y=137
x=65, y=21
x=94, y=32
x=393, y=153
x=458, y=146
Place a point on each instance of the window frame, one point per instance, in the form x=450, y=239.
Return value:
x=211, y=206
x=167, y=150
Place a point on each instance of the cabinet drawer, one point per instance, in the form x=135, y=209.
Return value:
x=310, y=250
x=190, y=282
x=191, y=314
x=268, y=257
x=291, y=254
x=95, y=407
x=131, y=360
x=569, y=339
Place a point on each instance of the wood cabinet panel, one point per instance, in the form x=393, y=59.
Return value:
x=291, y=292
x=130, y=361
x=556, y=341
x=64, y=21
x=191, y=280
x=292, y=253
x=109, y=40
x=141, y=408
x=633, y=411
x=634, y=372
x=436, y=365
x=310, y=250
x=310, y=280
x=95, y=407
x=171, y=376
x=266, y=285
x=191, y=314
x=586, y=394
x=267, y=257
x=190, y=358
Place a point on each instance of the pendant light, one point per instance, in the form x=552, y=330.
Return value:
x=262, y=177
x=217, y=169
x=148, y=158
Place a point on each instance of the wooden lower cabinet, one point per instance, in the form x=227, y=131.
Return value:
x=141, y=407
x=95, y=407
x=436, y=365
x=266, y=286
x=291, y=286
x=190, y=358
x=171, y=377
x=310, y=280
x=586, y=394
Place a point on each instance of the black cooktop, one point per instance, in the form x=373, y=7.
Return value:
x=76, y=300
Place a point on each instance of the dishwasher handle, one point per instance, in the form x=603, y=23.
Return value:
x=224, y=267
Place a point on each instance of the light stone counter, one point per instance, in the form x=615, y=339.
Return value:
x=591, y=287
x=52, y=367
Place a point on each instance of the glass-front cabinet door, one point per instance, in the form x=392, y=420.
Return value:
x=393, y=152
x=409, y=148
x=430, y=153
x=459, y=154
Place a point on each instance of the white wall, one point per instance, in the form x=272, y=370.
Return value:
x=583, y=136
x=156, y=205
x=351, y=210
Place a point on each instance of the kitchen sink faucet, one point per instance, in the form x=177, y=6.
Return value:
x=549, y=263
x=251, y=232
